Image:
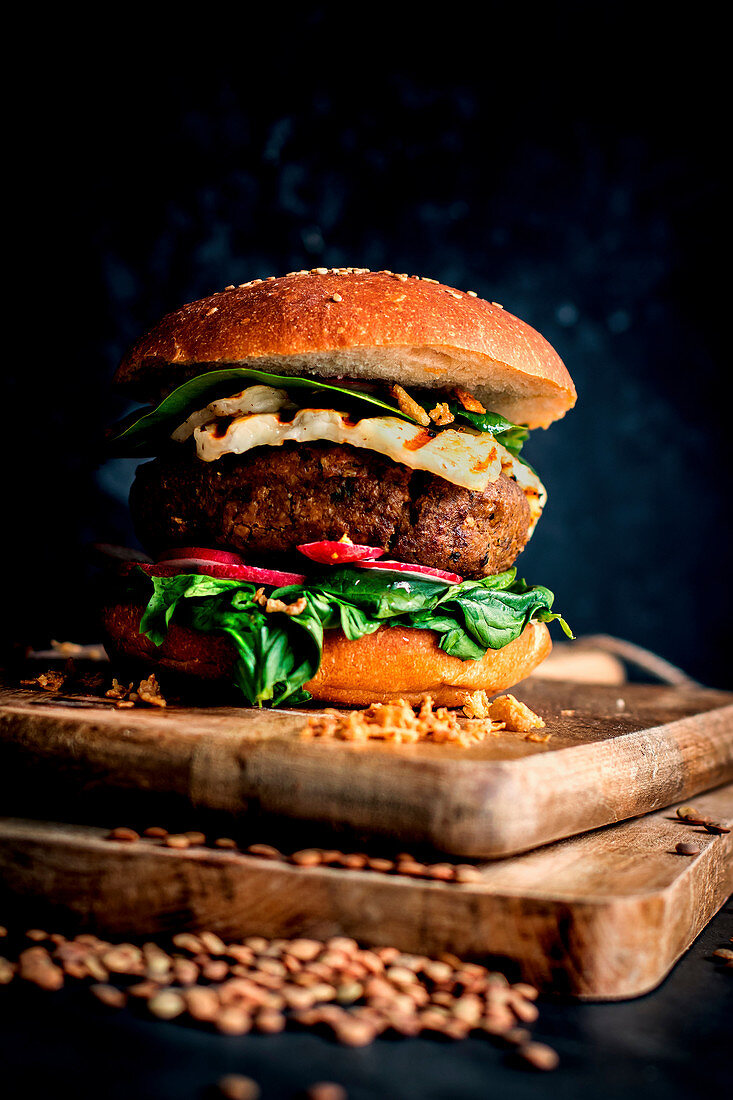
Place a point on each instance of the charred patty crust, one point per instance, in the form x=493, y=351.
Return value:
x=269, y=500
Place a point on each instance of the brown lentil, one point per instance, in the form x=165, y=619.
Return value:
x=166, y=1005
x=177, y=840
x=109, y=995
x=196, y=838
x=124, y=834
x=326, y=1090
x=539, y=1056
x=236, y=1087
x=264, y=851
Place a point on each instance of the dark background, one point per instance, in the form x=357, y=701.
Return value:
x=566, y=163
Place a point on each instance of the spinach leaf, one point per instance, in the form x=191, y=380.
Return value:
x=278, y=654
x=140, y=436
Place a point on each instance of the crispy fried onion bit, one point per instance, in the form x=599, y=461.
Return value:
x=409, y=406
x=401, y=723
x=469, y=402
x=506, y=711
x=270, y=605
x=148, y=693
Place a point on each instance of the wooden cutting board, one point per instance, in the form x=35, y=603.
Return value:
x=605, y=915
x=614, y=752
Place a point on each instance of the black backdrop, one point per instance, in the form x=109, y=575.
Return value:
x=566, y=163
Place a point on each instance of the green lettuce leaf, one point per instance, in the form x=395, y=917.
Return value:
x=278, y=654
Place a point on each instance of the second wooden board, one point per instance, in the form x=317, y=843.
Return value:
x=613, y=753
x=605, y=915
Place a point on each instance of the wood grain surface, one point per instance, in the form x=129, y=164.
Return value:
x=614, y=752
x=604, y=915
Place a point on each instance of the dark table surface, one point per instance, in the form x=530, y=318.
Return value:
x=675, y=1042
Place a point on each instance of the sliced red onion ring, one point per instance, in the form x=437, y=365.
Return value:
x=203, y=553
x=242, y=572
x=417, y=570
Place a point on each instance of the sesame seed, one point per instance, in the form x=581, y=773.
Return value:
x=472, y=294
x=214, y=309
x=336, y=298
x=498, y=305
x=230, y=287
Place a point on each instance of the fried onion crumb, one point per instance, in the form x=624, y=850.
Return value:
x=296, y=608
x=47, y=681
x=441, y=415
x=148, y=693
x=409, y=406
x=469, y=402
x=399, y=722
x=515, y=717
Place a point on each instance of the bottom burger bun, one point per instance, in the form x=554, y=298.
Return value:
x=391, y=663
x=409, y=664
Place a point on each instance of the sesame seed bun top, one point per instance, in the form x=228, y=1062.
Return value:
x=353, y=323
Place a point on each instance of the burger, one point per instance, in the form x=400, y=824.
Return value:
x=336, y=494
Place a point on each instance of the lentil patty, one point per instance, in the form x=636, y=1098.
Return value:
x=263, y=503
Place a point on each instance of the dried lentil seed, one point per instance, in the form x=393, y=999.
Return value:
x=212, y=943
x=124, y=834
x=464, y=872
x=123, y=959
x=723, y=953
x=305, y=950
x=411, y=868
x=35, y=965
x=225, y=842
x=307, y=857
x=202, y=1003
x=517, y=1036
x=269, y=1022
x=685, y=848
x=236, y=1087
x=177, y=840
x=155, y=832
x=264, y=851
x=187, y=941
x=355, y=1033
x=233, y=1021
x=109, y=995
x=384, y=866
x=195, y=837
x=215, y=971
x=166, y=1005
x=326, y=1090
x=7, y=971
x=539, y=1056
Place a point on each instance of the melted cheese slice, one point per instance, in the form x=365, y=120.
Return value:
x=463, y=456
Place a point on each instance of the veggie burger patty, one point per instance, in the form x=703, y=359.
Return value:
x=269, y=500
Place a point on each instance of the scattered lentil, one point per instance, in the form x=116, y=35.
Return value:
x=539, y=1056
x=236, y=1087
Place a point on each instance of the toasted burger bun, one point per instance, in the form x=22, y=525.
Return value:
x=356, y=324
x=392, y=663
